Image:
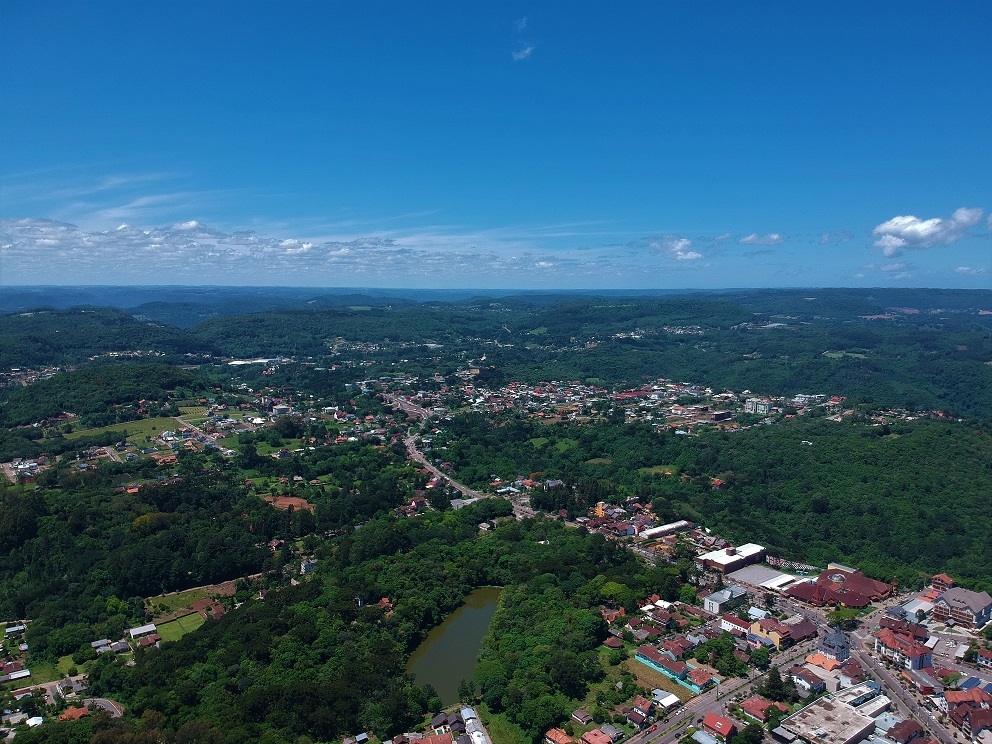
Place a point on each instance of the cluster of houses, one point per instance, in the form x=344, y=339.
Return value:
x=461, y=726
x=641, y=709
x=660, y=402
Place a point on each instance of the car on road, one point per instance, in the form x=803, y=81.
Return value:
x=653, y=728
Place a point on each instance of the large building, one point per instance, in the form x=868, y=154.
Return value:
x=725, y=560
x=963, y=607
x=840, y=586
x=835, y=719
x=903, y=649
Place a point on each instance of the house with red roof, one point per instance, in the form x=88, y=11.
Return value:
x=757, y=707
x=73, y=714
x=733, y=624
x=557, y=736
x=984, y=658
x=596, y=737
x=719, y=726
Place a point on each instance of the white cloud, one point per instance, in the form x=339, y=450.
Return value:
x=676, y=247
x=523, y=53
x=755, y=239
x=909, y=231
x=969, y=271
x=894, y=267
x=521, y=23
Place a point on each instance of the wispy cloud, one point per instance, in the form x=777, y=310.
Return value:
x=523, y=47
x=970, y=271
x=756, y=239
x=908, y=231
x=190, y=252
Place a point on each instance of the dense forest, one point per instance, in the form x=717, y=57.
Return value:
x=810, y=489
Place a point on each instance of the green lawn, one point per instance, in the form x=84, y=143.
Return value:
x=599, y=461
x=176, y=629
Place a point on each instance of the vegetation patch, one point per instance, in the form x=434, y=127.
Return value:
x=599, y=461
x=659, y=470
x=501, y=729
x=566, y=445
x=539, y=442
x=842, y=354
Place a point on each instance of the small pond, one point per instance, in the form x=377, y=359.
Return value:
x=448, y=654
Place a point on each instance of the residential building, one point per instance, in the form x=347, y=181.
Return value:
x=942, y=582
x=719, y=726
x=733, y=624
x=984, y=658
x=557, y=736
x=902, y=649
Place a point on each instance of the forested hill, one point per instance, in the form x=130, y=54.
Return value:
x=47, y=337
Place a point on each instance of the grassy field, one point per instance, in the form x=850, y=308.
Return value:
x=136, y=430
x=176, y=629
x=192, y=411
x=650, y=679
x=264, y=448
x=599, y=461
x=42, y=671
x=172, y=602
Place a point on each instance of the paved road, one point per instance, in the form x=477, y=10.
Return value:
x=116, y=710
x=714, y=700
x=905, y=703
x=520, y=511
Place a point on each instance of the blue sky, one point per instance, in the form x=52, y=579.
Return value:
x=465, y=144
